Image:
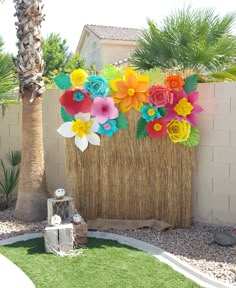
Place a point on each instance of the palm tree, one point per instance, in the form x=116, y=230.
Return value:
x=32, y=189
x=189, y=38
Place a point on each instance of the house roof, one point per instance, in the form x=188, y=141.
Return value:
x=115, y=33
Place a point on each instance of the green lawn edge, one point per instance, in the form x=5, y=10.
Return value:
x=103, y=263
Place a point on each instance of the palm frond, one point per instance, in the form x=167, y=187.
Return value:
x=189, y=38
x=8, y=81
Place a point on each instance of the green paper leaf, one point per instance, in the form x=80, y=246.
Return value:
x=191, y=83
x=156, y=76
x=110, y=72
x=121, y=122
x=63, y=81
x=194, y=138
x=65, y=116
x=162, y=111
x=141, y=129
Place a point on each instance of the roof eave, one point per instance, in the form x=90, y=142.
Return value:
x=118, y=42
x=85, y=32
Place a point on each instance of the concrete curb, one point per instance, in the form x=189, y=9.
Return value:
x=178, y=265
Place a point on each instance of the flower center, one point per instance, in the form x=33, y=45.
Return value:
x=107, y=126
x=174, y=84
x=130, y=91
x=157, y=127
x=81, y=128
x=105, y=108
x=151, y=112
x=183, y=107
x=78, y=96
x=175, y=129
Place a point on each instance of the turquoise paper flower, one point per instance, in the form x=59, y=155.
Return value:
x=108, y=128
x=97, y=86
x=149, y=113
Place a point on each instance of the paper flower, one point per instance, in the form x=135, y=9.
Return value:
x=108, y=128
x=97, y=86
x=76, y=101
x=104, y=109
x=130, y=92
x=157, y=128
x=82, y=129
x=174, y=82
x=78, y=77
x=149, y=113
x=159, y=96
x=184, y=107
x=178, y=131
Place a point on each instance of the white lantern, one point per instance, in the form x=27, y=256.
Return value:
x=59, y=193
x=55, y=220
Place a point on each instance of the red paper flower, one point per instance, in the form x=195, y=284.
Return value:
x=157, y=128
x=76, y=101
x=159, y=96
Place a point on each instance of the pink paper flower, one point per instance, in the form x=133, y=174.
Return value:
x=104, y=109
x=159, y=96
x=183, y=107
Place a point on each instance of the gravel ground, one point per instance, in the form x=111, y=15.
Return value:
x=10, y=227
x=190, y=245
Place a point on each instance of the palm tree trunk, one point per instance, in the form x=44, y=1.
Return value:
x=32, y=190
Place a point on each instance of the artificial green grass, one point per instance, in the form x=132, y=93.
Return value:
x=102, y=264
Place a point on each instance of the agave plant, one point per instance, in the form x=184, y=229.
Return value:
x=189, y=38
x=9, y=174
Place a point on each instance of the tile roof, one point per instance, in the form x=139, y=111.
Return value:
x=115, y=33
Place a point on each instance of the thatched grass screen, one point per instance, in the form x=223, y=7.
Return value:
x=127, y=178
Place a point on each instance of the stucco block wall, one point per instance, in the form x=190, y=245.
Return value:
x=214, y=175
x=10, y=137
x=109, y=55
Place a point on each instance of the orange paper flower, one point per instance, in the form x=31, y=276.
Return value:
x=174, y=82
x=130, y=92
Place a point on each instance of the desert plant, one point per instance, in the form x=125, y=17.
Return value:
x=9, y=174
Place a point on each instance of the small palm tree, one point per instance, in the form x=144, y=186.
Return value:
x=189, y=38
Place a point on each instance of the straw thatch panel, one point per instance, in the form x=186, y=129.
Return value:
x=126, y=178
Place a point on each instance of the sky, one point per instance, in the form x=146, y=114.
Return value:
x=68, y=17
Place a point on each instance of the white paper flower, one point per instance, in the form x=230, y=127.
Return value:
x=83, y=129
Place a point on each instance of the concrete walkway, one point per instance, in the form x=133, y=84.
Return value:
x=12, y=277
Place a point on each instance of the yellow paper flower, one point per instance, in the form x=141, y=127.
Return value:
x=183, y=107
x=178, y=131
x=131, y=92
x=78, y=77
x=81, y=128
